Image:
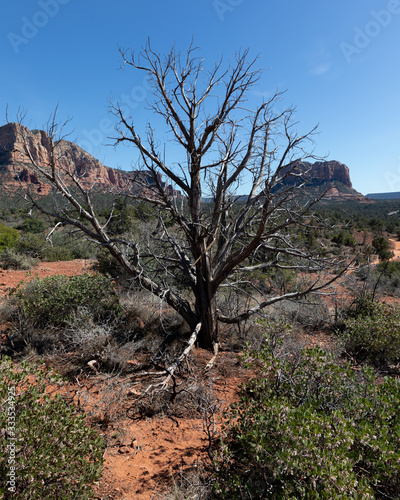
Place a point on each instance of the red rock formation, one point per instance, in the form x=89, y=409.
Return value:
x=331, y=171
x=331, y=176
x=16, y=170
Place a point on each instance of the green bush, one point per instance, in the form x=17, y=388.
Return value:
x=32, y=245
x=389, y=269
x=9, y=259
x=381, y=246
x=67, y=246
x=343, y=238
x=8, y=237
x=55, y=254
x=82, y=250
x=32, y=226
x=373, y=334
x=307, y=427
x=53, y=301
x=106, y=264
x=44, y=441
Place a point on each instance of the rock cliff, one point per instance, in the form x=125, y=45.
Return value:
x=329, y=171
x=15, y=169
x=330, y=176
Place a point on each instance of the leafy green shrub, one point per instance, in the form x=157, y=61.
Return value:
x=389, y=277
x=343, y=238
x=389, y=269
x=32, y=245
x=53, y=301
x=381, y=246
x=9, y=259
x=82, y=250
x=374, y=333
x=55, y=254
x=67, y=246
x=307, y=427
x=8, y=237
x=32, y=226
x=46, y=444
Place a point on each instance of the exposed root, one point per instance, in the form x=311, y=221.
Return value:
x=211, y=363
x=170, y=370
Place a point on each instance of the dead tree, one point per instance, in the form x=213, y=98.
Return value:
x=206, y=235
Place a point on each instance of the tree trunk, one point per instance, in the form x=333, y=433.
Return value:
x=206, y=314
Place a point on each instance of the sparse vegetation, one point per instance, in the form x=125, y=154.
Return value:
x=9, y=259
x=310, y=425
x=381, y=246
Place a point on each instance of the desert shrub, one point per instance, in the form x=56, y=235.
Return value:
x=123, y=217
x=32, y=226
x=8, y=237
x=372, y=333
x=9, y=259
x=69, y=246
x=308, y=313
x=381, y=246
x=308, y=427
x=190, y=484
x=54, y=454
x=383, y=278
x=343, y=238
x=108, y=404
x=81, y=249
x=32, y=245
x=388, y=273
x=59, y=253
x=87, y=340
x=389, y=268
x=283, y=280
x=54, y=300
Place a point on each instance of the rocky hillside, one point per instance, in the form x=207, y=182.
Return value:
x=15, y=171
x=330, y=176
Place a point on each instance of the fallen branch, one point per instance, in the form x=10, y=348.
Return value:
x=173, y=367
x=211, y=363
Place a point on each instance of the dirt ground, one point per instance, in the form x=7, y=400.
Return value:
x=144, y=454
x=10, y=278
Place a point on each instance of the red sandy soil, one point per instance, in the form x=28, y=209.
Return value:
x=141, y=462
x=154, y=450
x=10, y=279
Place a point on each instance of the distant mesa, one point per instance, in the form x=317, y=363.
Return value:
x=15, y=172
x=331, y=177
x=384, y=196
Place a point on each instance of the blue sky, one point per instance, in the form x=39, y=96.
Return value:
x=338, y=62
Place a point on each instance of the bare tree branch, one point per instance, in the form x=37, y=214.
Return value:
x=209, y=235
